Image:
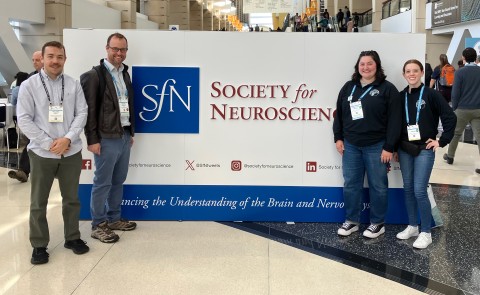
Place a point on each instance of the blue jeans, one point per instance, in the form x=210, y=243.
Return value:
x=416, y=174
x=356, y=161
x=110, y=174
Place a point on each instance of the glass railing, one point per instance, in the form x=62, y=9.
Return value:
x=394, y=7
x=365, y=18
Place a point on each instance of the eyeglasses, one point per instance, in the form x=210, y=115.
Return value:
x=116, y=49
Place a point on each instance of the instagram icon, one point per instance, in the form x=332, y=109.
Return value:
x=236, y=165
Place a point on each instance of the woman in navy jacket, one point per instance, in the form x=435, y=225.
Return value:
x=366, y=129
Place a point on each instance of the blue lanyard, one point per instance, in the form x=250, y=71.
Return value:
x=364, y=93
x=419, y=106
x=117, y=86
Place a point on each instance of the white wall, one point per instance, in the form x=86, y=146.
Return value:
x=366, y=29
x=32, y=11
x=144, y=24
x=86, y=14
x=12, y=54
x=400, y=23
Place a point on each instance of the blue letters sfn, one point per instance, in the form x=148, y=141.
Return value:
x=166, y=99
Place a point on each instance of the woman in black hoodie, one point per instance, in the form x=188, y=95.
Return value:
x=422, y=108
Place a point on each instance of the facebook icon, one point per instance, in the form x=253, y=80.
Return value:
x=166, y=99
x=86, y=164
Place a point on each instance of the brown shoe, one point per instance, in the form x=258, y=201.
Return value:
x=104, y=234
x=122, y=224
x=18, y=175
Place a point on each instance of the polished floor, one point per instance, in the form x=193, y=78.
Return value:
x=249, y=258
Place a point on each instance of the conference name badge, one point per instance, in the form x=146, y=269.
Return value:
x=356, y=110
x=413, y=132
x=55, y=114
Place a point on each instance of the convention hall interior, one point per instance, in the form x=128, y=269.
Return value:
x=235, y=257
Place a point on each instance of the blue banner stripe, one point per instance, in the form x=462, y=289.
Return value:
x=241, y=203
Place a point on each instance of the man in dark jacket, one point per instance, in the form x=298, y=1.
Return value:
x=109, y=132
x=465, y=101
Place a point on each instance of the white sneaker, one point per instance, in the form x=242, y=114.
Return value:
x=423, y=240
x=347, y=229
x=410, y=231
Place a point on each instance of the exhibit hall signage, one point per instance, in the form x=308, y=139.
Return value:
x=447, y=12
x=238, y=126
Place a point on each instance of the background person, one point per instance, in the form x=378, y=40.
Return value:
x=37, y=62
x=446, y=91
x=422, y=108
x=20, y=77
x=366, y=129
x=465, y=102
x=109, y=132
x=52, y=113
x=24, y=163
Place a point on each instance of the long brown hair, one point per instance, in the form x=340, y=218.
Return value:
x=443, y=60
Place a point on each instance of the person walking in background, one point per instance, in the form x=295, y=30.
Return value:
x=428, y=74
x=460, y=64
x=439, y=70
x=109, y=132
x=52, y=113
x=305, y=23
x=340, y=16
x=20, y=77
x=422, y=109
x=350, y=26
x=23, y=171
x=356, y=19
x=347, y=14
x=465, y=102
x=326, y=14
x=366, y=129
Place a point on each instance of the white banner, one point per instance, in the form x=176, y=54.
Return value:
x=265, y=104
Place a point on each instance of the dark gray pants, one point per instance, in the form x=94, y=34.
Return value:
x=44, y=171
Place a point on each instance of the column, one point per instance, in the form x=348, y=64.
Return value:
x=178, y=13
x=128, y=9
x=376, y=15
x=207, y=20
x=196, y=16
x=156, y=10
x=58, y=15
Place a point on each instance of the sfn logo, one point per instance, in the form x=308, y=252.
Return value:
x=86, y=164
x=311, y=166
x=236, y=165
x=190, y=165
x=166, y=99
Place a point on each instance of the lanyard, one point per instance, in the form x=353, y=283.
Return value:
x=117, y=85
x=46, y=90
x=364, y=93
x=419, y=106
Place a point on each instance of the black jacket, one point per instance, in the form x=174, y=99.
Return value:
x=103, y=119
x=381, y=115
x=433, y=107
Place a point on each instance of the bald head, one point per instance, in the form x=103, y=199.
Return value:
x=37, y=60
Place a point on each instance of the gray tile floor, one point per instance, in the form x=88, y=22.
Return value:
x=453, y=259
